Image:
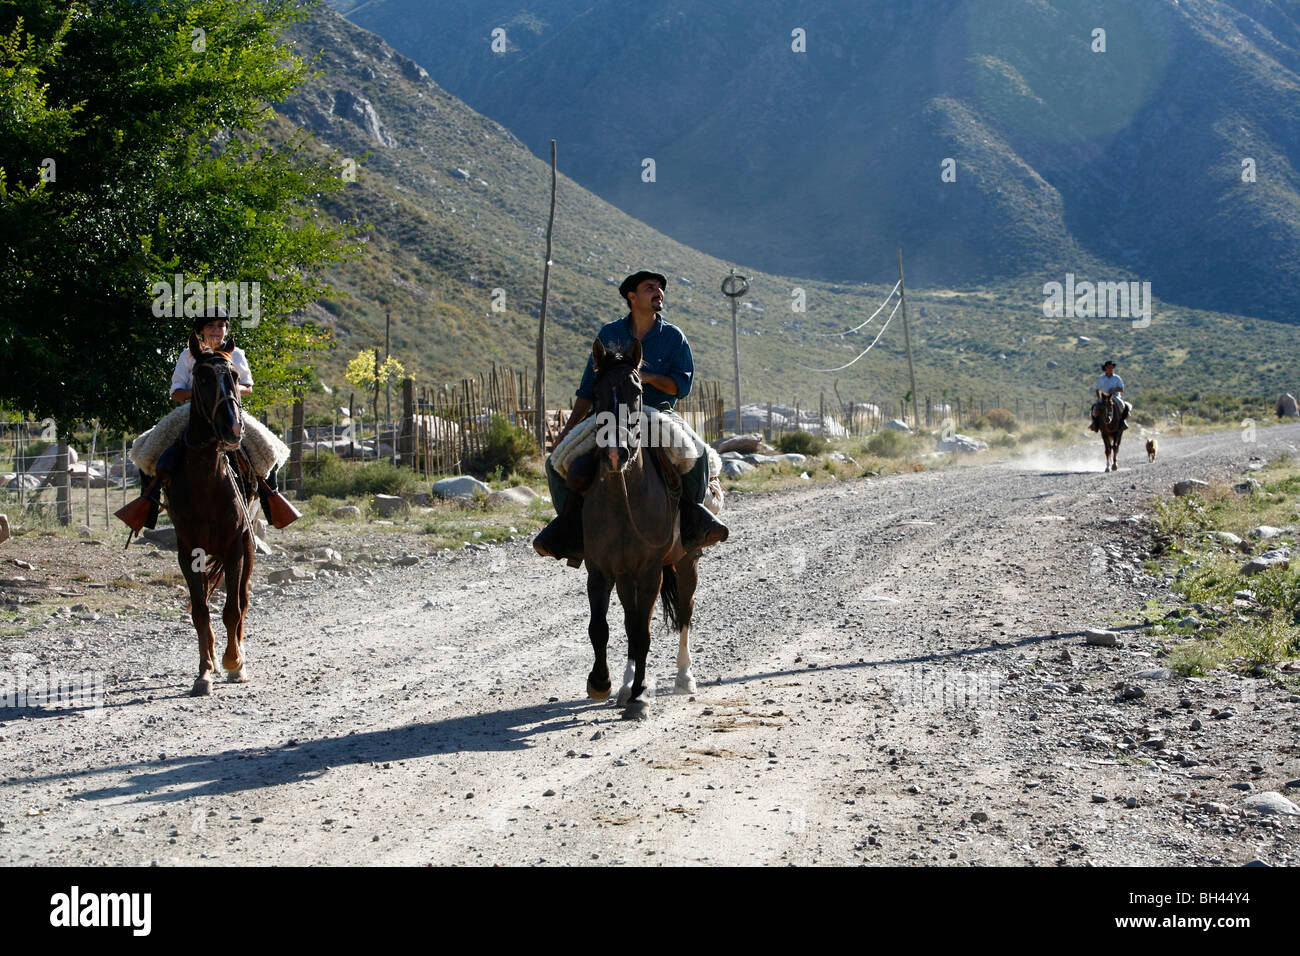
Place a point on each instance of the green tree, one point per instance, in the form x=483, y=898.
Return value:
x=135, y=147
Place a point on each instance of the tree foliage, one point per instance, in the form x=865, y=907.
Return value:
x=133, y=149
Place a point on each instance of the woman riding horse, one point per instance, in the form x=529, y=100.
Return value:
x=213, y=328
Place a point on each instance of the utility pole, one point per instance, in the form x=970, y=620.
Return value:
x=388, y=388
x=733, y=287
x=907, y=339
x=539, y=396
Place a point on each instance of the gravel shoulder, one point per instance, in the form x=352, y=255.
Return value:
x=891, y=671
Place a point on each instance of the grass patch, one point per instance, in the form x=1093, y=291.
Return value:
x=1251, y=636
x=331, y=477
x=1194, y=659
x=802, y=443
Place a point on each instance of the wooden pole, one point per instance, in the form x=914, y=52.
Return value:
x=62, y=484
x=539, y=394
x=295, y=447
x=907, y=339
x=735, y=352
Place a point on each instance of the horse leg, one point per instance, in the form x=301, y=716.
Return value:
x=687, y=578
x=1114, y=465
x=198, y=584
x=638, y=597
x=598, y=589
x=232, y=617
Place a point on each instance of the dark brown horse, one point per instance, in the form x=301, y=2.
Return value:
x=209, y=508
x=1110, y=424
x=632, y=540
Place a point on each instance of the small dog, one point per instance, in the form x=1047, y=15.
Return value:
x=1151, y=449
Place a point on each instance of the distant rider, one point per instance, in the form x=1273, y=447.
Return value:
x=1109, y=388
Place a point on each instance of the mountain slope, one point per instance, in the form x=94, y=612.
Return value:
x=821, y=162
x=457, y=208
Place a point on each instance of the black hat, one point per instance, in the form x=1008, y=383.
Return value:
x=1105, y=363
x=635, y=279
x=210, y=313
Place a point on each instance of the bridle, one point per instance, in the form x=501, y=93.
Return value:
x=209, y=414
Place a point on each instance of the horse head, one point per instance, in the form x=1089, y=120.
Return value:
x=617, y=403
x=216, y=413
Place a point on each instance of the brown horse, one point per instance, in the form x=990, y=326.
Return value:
x=209, y=508
x=1110, y=425
x=632, y=539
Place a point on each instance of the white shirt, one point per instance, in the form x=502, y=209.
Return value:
x=183, y=377
x=1106, y=382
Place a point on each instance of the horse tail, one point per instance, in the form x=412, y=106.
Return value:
x=671, y=600
x=216, y=573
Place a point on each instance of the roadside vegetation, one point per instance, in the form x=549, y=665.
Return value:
x=1247, y=622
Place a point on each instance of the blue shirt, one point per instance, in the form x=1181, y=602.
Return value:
x=664, y=351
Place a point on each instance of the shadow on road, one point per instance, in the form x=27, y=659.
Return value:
x=921, y=659
x=234, y=771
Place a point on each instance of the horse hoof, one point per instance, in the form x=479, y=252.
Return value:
x=595, y=693
x=202, y=687
x=624, y=695
x=685, y=685
x=237, y=676
x=1114, y=467
x=637, y=710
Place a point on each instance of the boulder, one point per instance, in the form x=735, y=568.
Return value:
x=517, y=496
x=347, y=511
x=897, y=425
x=961, y=443
x=762, y=460
x=1264, y=532
x=1189, y=486
x=734, y=468
x=745, y=444
x=388, y=505
x=327, y=554
x=1224, y=537
x=1100, y=638
x=1278, y=558
x=793, y=458
x=1286, y=406
x=163, y=537
x=1271, y=802
x=290, y=575
x=753, y=418
x=462, y=486
x=1248, y=487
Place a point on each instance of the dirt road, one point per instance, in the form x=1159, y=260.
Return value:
x=890, y=670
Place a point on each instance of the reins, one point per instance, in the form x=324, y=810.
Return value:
x=211, y=416
x=622, y=481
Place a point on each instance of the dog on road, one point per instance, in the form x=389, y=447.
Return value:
x=1151, y=449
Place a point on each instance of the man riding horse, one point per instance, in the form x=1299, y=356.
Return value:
x=1109, y=389
x=667, y=370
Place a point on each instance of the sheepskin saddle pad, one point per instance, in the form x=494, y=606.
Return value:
x=264, y=450
x=666, y=430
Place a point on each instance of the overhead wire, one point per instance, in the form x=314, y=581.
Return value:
x=864, y=351
x=873, y=315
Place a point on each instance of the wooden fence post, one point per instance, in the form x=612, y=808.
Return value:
x=295, y=447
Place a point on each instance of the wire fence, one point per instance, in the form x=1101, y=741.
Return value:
x=444, y=430
x=97, y=476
